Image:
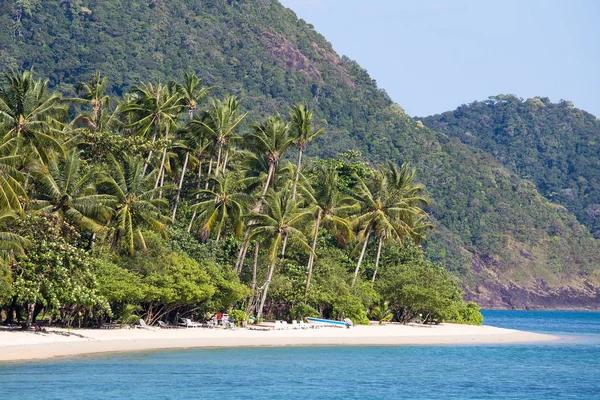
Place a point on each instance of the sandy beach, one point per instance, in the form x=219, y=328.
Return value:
x=17, y=345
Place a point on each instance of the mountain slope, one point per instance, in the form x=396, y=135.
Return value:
x=508, y=244
x=556, y=146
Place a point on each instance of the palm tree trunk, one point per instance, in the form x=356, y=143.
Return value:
x=210, y=164
x=150, y=154
x=242, y=253
x=297, y=175
x=218, y=160
x=185, y=161
x=253, y=283
x=225, y=160
x=206, y=187
x=284, y=246
x=164, y=157
x=265, y=289
x=311, y=257
x=360, y=259
x=377, y=259
x=245, y=242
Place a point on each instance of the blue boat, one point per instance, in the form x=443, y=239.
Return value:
x=326, y=322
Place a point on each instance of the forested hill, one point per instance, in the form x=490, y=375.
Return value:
x=557, y=146
x=508, y=244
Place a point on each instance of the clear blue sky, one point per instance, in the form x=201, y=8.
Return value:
x=432, y=56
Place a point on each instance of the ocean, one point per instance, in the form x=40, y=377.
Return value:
x=567, y=369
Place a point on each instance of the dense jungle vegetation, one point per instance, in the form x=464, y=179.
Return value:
x=171, y=204
x=492, y=226
x=553, y=145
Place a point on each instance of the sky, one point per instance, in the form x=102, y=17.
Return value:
x=433, y=55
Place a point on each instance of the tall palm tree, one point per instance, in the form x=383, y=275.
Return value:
x=220, y=123
x=389, y=202
x=331, y=208
x=92, y=93
x=201, y=149
x=191, y=92
x=134, y=208
x=224, y=205
x=301, y=119
x=268, y=142
x=155, y=107
x=280, y=217
x=65, y=188
x=270, y=139
x=31, y=113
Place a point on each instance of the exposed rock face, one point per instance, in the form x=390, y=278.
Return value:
x=498, y=295
x=288, y=55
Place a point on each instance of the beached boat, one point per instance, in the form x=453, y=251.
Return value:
x=326, y=322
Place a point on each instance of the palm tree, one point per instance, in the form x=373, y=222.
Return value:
x=134, y=208
x=220, y=123
x=154, y=107
x=66, y=189
x=12, y=193
x=281, y=217
x=267, y=143
x=11, y=244
x=271, y=140
x=201, y=147
x=301, y=119
x=92, y=93
x=389, y=202
x=31, y=113
x=331, y=208
x=191, y=92
x=221, y=206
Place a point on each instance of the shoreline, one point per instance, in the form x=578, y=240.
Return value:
x=24, y=346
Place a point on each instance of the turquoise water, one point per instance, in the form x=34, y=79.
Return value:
x=569, y=369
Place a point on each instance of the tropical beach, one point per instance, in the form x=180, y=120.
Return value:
x=57, y=342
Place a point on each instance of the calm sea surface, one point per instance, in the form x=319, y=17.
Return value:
x=569, y=369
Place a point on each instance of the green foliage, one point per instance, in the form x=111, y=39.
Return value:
x=56, y=274
x=552, y=144
x=239, y=316
x=382, y=312
x=469, y=314
x=414, y=286
x=302, y=310
x=260, y=52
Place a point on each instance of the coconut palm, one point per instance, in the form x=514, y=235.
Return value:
x=134, y=208
x=31, y=113
x=191, y=92
x=12, y=193
x=280, y=217
x=331, y=209
x=270, y=140
x=11, y=244
x=92, y=93
x=200, y=146
x=220, y=123
x=154, y=107
x=267, y=143
x=301, y=119
x=66, y=189
x=389, y=202
x=221, y=206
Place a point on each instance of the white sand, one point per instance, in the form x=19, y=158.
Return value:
x=16, y=345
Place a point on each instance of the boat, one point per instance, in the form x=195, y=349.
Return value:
x=322, y=321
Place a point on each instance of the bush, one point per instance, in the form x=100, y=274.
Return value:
x=303, y=310
x=239, y=316
x=470, y=314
